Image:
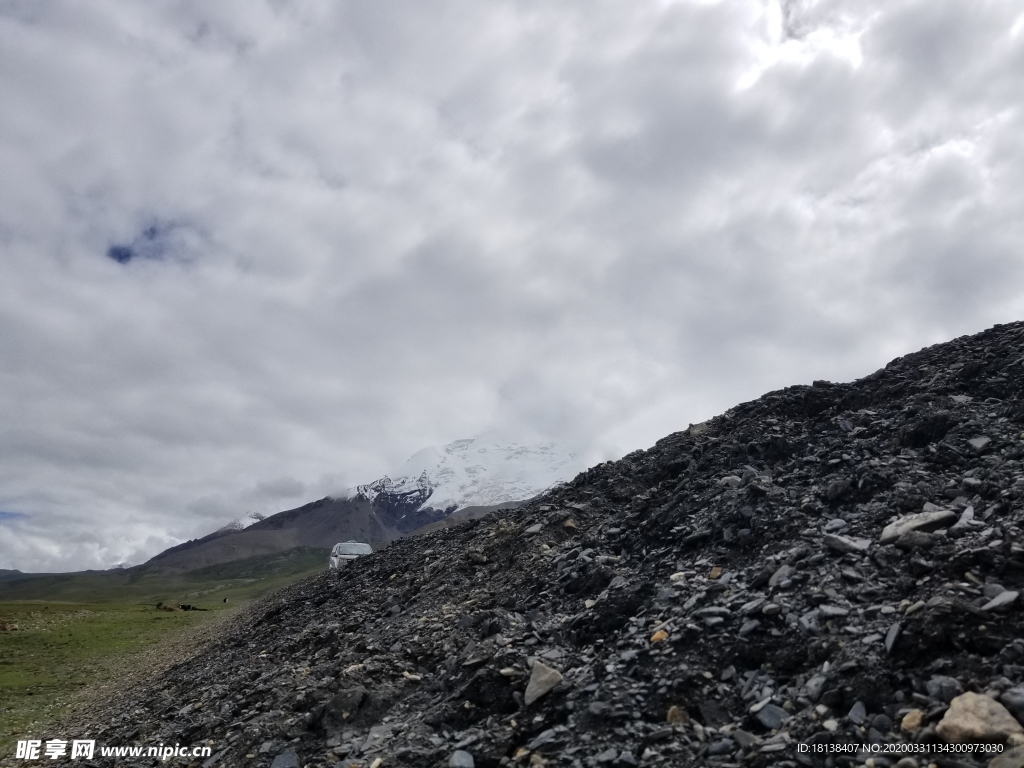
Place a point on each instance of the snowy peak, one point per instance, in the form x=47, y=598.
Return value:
x=413, y=491
x=475, y=472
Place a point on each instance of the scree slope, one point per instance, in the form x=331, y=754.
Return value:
x=831, y=563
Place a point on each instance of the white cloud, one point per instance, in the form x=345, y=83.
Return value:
x=344, y=231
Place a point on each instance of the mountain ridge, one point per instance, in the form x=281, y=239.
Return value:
x=433, y=484
x=386, y=509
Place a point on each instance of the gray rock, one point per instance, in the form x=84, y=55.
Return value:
x=971, y=484
x=714, y=713
x=809, y=622
x=883, y=723
x=992, y=590
x=814, y=686
x=772, y=717
x=979, y=444
x=1013, y=700
x=891, y=637
x=626, y=758
x=713, y=610
x=748, y=626
x=744, y=739
x=918, y=522
x=965, y=518
x=461, y=759
x=607, y=756
x=763, y=576
x=858, y=713
x=1001, y=601
x=286, y=760
x=377, y=735
x=542, y=679
x=541, y=739
x=832, y=611
x=752, y=607
x=723, y=747
x=912, y=540
x=784, y=572
x=944, y=688
x=535, y=528
x=845, y=544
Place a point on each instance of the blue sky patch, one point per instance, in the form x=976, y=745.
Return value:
x=122, y=254
x=156, y=241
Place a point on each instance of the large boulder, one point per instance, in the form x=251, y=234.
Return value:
x=973, y=717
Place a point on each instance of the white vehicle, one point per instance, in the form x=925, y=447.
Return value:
x=348, y=550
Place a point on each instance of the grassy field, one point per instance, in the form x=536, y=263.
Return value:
x=60, y=648
x=239, y=579
x=74, y=630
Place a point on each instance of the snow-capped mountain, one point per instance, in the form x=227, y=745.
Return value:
x=481, y=471
x=434, y=483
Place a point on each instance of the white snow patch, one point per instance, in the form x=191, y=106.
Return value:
x=482, y=471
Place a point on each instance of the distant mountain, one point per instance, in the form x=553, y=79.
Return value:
x=318, y=524
x=236, y=579
x=469, y=477
x=439, y=485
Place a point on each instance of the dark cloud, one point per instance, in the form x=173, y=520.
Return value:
x=282, y=488
x=254, y=253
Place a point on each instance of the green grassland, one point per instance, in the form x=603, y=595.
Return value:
x=74, y=630
x=60, y=648
x=239, y=579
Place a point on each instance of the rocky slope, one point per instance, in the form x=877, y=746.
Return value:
x=830, y=564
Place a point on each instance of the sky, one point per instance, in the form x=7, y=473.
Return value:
x=253, y=253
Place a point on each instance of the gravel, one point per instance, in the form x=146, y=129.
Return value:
x=800, y=569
